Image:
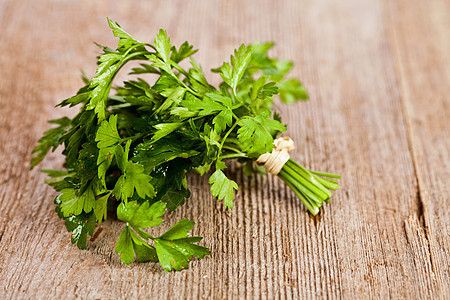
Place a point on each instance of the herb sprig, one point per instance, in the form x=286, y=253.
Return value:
x=130, y=151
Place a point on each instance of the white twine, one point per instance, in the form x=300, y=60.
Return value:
x=274, y=162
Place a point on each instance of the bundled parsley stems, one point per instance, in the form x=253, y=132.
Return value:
x=129, y=151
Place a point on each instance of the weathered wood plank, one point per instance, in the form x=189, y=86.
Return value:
x=421, y=46
x=360, y=126
x=378, y=116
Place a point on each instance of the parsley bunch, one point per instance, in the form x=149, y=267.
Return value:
x=130, y=152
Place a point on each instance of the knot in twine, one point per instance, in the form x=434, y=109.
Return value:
x=274, y=162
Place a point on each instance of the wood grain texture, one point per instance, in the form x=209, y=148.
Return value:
x=378, y=74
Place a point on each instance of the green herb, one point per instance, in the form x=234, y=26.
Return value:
x=129, y=151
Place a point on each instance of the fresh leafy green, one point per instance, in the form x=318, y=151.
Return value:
x=222, y=187
x=292, y=90
x=80, y=225
x=133, y=179
x=101, y=207
x=255, y=134
x=143, y=215
x=129, y=151
x=107, y=134
x=175, y=249
x=239, y=62
x=50, y=140
x=74, y=202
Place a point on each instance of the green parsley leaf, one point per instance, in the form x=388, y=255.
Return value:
x=174, y=96
x=144, y=252
x=126, y=40
x=198, y=80
x=152, y=154
x=222, y=187
x=254, y=134
x=213, y=103
x=233, y=74
x=160, y=64
x=80, y=226
x=184, y=52
x=166, y=85
x=222, y=120
x=107, y=134
x=71, y=203
x=80, y=97
x=107, y=138
x=124, y=246
x=141, y=216
x=138, y=216
x=108, y=65
x=292, y=90
x=145, y=68
x=122, y=155
x=175, y=197
x=100, y=84
x=101, y=208
x=50, y=140
x=162, y=45
x=87, y=162
x=133, y=179
x=104, y=160
x=175, y=250
x=165, y=129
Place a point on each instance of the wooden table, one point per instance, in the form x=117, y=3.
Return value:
x=378, y=75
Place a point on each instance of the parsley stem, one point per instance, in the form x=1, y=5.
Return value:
x=179, y=69
x=233, y=141
x=311, y=189
x=187, y=87
x=326, y=183
x=233, y=155
x=150, y=45
x=184, y=72
x=135, y=137
x=296, y=167
x=304, y=186
x=236, y=117
x=313, y=209
x=231, y=148
x=326, y=174
x=227, y=134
